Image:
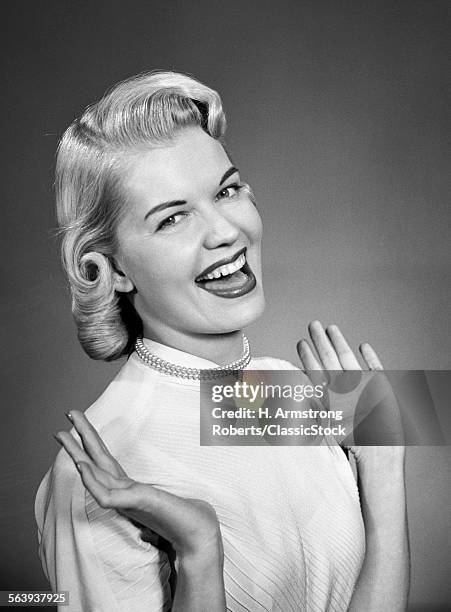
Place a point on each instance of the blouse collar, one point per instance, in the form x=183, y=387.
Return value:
x=177, y=357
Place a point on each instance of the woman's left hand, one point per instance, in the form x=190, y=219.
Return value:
x=334, y=353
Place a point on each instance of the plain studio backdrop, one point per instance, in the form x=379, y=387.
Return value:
x=339, y=118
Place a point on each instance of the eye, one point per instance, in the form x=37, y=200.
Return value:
x=228, y=192
x=172, y=220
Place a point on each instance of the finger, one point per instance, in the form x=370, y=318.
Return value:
x=324, y=348
x=348, y=360
x=171, y=516
x=75, y=450
x=307, y=356
x=78, y=454
x=107, y=490
x=310, y=364
x=107, y=479
x=159, y=510
x=93, y=444
x=370, y=357
x=96, y=485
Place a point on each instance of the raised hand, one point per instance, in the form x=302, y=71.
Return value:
x=334, y=353
x=189, y=525
x=384, y=578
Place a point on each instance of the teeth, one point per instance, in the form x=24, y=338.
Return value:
x=226, y=269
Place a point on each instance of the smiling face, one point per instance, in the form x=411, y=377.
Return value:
x=188, y=219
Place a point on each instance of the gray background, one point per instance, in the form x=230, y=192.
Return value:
x=339, y=118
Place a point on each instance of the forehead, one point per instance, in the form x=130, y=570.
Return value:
x=189, y=163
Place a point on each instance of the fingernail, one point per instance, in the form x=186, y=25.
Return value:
x=69, y=416
x=56, y=438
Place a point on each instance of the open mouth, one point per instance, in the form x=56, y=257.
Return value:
x=229, y=280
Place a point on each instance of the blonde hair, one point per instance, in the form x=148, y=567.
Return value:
x=148, y=110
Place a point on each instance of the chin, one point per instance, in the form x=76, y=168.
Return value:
x=245, y=315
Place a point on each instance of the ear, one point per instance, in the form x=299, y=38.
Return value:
x=121, y=281
x=93, y=265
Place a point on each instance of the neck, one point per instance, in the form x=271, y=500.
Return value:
x=219, y=348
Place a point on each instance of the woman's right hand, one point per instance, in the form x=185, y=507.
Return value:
x=189, y=525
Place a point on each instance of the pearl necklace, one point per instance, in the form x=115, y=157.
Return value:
x=172, y=369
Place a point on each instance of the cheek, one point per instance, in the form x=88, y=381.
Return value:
x=138, y=263
x=255, y=225
x=157, y=268
x=249, y=221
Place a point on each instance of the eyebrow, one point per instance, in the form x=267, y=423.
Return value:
x=228, y=173
x=164, y=205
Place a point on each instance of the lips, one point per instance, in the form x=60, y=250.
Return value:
x=222, y=262
x=229, y=277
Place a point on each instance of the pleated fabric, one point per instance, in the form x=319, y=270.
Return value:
x=290, y=516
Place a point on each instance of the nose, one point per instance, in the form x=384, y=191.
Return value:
x=219, y=230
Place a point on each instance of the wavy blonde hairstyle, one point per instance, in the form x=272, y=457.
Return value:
x=145, y=110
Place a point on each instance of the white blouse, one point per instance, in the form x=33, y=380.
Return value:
x=290, y=516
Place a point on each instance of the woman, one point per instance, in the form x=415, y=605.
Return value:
x=162, y=241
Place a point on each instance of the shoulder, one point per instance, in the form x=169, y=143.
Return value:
x=115, y=415
x=58, y=486
x=119, y=411
x=127, y=386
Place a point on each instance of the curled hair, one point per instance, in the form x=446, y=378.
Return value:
x=145, y=110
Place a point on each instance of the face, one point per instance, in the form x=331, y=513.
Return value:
x=189, y=219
